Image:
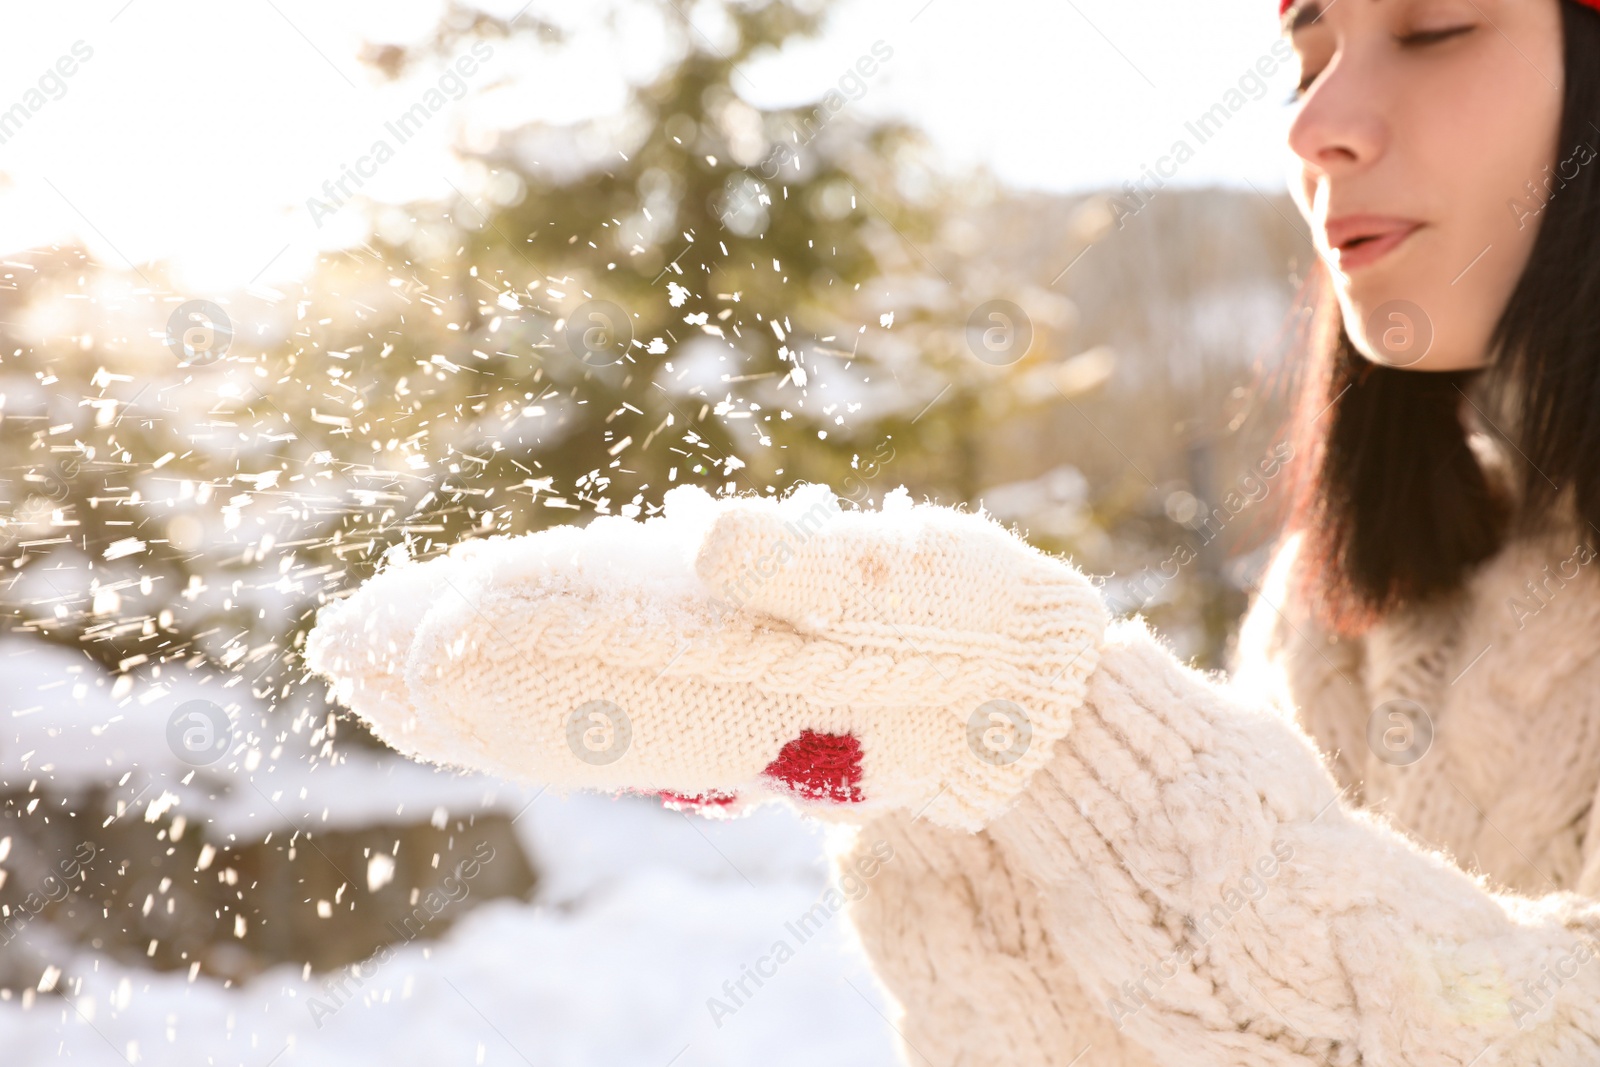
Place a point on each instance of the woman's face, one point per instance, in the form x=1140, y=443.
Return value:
x=1419, y=127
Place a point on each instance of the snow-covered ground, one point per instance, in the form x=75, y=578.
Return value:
x=642, y=918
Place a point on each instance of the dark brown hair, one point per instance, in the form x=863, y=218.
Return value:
x=1398, y=507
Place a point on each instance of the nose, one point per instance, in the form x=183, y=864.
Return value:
x=1341, y=125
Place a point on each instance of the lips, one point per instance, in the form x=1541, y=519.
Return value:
x=1356, y=241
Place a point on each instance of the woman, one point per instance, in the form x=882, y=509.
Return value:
x=1072, y=849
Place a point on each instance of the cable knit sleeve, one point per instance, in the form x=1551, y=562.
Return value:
x=1284, y=658
x=1186, y=869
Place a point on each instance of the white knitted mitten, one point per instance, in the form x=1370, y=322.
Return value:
x=730, y=650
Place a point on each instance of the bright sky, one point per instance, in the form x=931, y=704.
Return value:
x=195, y=132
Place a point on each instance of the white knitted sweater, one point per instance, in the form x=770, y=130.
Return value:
x=1101, y=857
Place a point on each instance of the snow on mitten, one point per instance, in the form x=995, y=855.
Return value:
x=730, y=650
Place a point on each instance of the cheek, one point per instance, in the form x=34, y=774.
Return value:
x=1472, y=135
x=1499, y=201
x=1526, y=174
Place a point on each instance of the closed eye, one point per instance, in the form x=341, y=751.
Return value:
x=1418, y=39
x=1423, y=38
